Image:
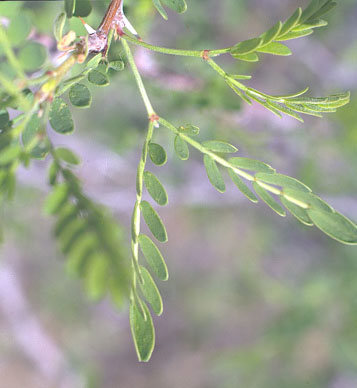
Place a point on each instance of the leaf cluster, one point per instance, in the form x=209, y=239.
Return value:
x=87, y=235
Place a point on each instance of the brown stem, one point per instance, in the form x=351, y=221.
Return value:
x=109, y=16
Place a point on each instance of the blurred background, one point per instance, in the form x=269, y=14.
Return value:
x=253, y=300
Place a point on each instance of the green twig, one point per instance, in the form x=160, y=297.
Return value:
x=183, y=53
x=138, y=79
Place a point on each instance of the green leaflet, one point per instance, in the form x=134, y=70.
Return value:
x=32, y=56
x=214, y=174
x=80, y=255
x=238, y=91
x=96, y=277
x=308, y=199
x=153, y=257
x=189, y=129
x=155, y=188
x=67, y=156
x=323, y=10
x=66, y=217
x=98, y=78
x=56, y=199
x=116, y=294
x=157, y=154
x=330, y=102
x=53, y=171
x=83, y=8
x=285, y=110
x=271, y=34
x=150, y=291
x=282, y=180
x=251, y=164
x=34, y=140
x=69, y=6
x=143, y=332
x=311, y=24
x=252, y=57
x=179, y=6
x=295, y=35
x=59, y=26
x=60, y=117
x=275, y=48
x=10, y=154
x=242, y=186
x=160, y=8
x=72, y=234
x=334, y=225
x=296, y=211
x=268, y=199
x=181, y=148
x=219, y=146
x=310, y=10
x=80, y=96
x=291, y=22
x=246, y=47
x=302, y=109
x=19, y=29
x=116, y=65
x=153, y=221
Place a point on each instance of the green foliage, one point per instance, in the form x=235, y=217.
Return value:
x=87, y=235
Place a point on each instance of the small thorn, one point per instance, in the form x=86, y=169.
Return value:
x=89, y=29
x=130, y=27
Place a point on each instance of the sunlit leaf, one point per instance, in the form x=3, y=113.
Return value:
x=32, y=56
x=80, y=96
x=143, y=332
x=67, y=155
x=181, y=148
x=157, y=154
x=155, y=188
x=334, y=225
x=153, y=221
x=153, y=257
x=150, y=291
x=214, y=174
x=219, y=146
x=60, y=117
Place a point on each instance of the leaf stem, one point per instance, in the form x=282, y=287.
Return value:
x=138, y=79
x=183, y=53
